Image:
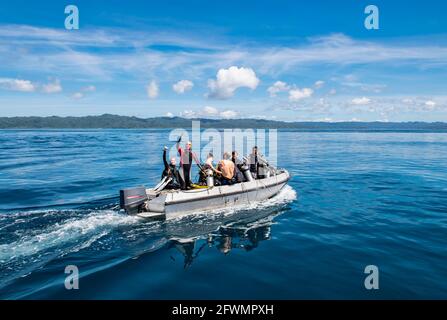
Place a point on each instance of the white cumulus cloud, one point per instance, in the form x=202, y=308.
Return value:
x=53, y=87
x=17, y=85
x=277, y=87
x=229, y=80
x=182, y=86
x=211, y=113
x=430, y=104
x=229, y=114
x=319, y=84
x=188, y=114
x=361, y=101
x=298, y=94
x=152, y=90
x=88, y=89
x=77, y=95
x=81, y=94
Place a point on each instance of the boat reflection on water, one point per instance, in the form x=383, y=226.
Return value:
x=242, y=239
x=244, y=231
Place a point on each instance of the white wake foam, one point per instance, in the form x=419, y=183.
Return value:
x=81, y=232
x=68, y=231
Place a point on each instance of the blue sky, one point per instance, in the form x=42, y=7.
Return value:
x=284, y=60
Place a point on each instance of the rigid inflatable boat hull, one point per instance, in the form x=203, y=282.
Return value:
x=172, y=204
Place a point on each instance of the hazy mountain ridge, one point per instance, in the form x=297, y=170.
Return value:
x=109, y=121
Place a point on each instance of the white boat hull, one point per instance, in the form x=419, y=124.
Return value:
x=174, y=203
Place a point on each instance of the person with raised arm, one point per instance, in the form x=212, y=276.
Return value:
x=170, y=171
x=186, y=158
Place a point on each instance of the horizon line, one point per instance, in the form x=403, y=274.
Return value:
x=223, y=119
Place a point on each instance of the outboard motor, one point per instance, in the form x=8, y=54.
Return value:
x=132, y=200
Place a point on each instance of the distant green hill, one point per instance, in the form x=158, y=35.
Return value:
x=109, y=121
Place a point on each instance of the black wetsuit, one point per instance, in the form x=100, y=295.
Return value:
x=172, y=172
x=254, y=164
x=186, y=158
x=187, y=170
x=238, y=175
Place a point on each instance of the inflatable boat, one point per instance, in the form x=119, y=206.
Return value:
x=160, y=203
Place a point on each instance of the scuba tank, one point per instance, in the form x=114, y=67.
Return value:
x=209, y=178
x=245, y=169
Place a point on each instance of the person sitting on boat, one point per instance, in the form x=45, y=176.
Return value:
x=209, y=162
x=234, y=156
x=186, y=157
x=208, y=165
x=238, y=176
x=226, y=169
x=170, y=171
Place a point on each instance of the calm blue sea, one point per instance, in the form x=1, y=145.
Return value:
x=355, y=199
